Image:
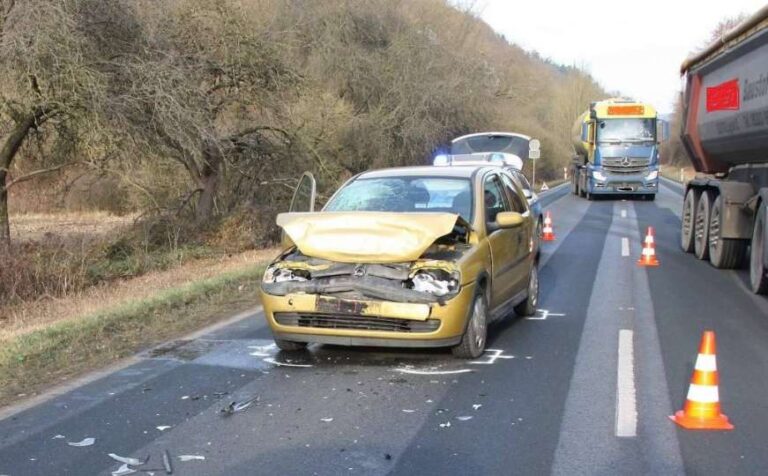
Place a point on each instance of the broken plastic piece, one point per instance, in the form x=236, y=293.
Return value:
x=85, y=442
x=327, y=420
x=191, y=457
x=445, y=425
x=127, y=460
x=163, y=427
x=58, y=437
x=464, y=418
x=477, y=405
x=123, y=470
x=235, y=407
x=405, y=410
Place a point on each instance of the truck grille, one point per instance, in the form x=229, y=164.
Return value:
x=617, y=165
x=355, y=322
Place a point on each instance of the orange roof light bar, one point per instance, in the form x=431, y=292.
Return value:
x=626, y=110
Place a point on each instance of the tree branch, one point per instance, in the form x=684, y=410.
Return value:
x=36, y=173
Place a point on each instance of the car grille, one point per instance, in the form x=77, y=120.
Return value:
x=355, y=322
x=636, y=165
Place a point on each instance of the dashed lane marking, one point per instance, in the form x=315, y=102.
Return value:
x=625, y=246
x=626, y=400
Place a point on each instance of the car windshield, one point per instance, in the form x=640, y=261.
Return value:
x=626, y=130
x=405, y=194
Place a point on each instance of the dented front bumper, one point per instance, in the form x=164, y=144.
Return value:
x=332, y=320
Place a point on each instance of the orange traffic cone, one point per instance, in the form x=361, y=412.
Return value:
x=648, y=257
x=547, y=234
x=702, y=406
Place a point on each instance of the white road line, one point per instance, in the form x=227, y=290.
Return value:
x=626, y=404
x=623, y=214
x=625, y=246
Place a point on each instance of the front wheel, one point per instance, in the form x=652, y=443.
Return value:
x=530, y=305
x=687, y=233
x=289, y=345
x=472, y=343
x=757, y=269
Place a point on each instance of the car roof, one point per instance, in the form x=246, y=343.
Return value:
x=456, y=171
x=487, y=134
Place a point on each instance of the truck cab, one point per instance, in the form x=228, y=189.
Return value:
x=616, y=145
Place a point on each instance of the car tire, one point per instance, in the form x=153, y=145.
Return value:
x=289, y=345
x=472, y=344
x=724, y=253
x=688, y=222
x=701, y=226
x=530, y=305
x=758, y=274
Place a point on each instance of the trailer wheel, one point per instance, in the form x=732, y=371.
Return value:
x=701, y=226
x=724, y=253
x=757, y=271
x=687, y=232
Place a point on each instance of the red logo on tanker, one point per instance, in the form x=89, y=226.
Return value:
x=724, y=97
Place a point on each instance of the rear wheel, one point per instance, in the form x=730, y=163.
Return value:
x=472, y=343
x=289, y=345
x=757, y=269
x=724, y=253
x=529, y=306
x=701, y=226
x=687, y=232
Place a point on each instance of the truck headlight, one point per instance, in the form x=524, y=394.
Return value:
x=652, y=175
x=599, y=176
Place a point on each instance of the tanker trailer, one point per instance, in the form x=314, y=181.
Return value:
x=725, y=135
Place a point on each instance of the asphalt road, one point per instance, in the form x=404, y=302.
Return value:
x=583, y=388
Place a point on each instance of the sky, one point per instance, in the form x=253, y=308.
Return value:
x=635, y=47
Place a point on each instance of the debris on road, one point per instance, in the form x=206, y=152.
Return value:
x=405, y=410
x=163, y=427
x=128, y=460
x=191, y=457
x=445, y=425
x=477, y=406
x=327, y=420
x=167, y=462
x=85, y=442
x=235, y=407
x=58, y=437
x=464, y=418
x=123, y=470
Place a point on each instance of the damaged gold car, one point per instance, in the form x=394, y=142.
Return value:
x=405, y=257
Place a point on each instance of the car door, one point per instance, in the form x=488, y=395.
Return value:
x=503, y=242
x=525, y=239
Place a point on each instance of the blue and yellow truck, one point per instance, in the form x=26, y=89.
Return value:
x=616, y=149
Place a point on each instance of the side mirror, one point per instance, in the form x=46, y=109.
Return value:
x=528, y=194
x=509, y=219
x=534, y=149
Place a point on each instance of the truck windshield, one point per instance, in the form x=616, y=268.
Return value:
x=626, y=130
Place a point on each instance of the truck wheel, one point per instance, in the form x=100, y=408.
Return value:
x=701, y=226
x=289, y=345
x=724, y=253
x=529, y=306
x=687, y=230
x=472, y=343
x=757, y=271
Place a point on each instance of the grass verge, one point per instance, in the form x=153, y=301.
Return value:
x=48, y=356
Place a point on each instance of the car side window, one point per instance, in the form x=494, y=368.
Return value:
x=495, y=198
x=515, y=195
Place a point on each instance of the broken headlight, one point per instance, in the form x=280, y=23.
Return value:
x=276, y=274
x=437, y=282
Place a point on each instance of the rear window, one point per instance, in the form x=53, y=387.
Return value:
x=405, y=194
x=491, y=143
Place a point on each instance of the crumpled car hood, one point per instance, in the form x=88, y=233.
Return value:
x=366, y=237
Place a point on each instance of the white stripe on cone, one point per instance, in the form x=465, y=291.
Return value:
x=703, y=393
x=706, y=363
